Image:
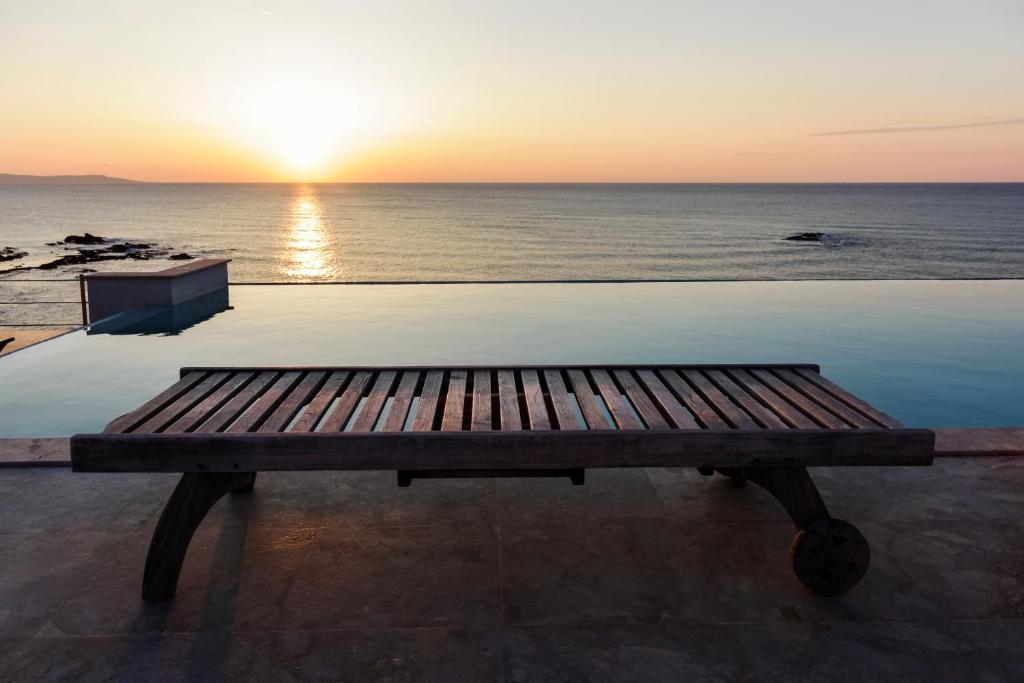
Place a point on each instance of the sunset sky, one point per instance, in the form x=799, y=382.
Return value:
x=514, y=91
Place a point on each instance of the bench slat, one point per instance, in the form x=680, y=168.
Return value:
x=230, y=411
x=403, y=399
x=455, y=402
x=643, y=405
x=426, y=410
x=481, y=410
x=592, y=413
x=184, y=403
x=666, y=400
x=336, y=420
x=211, y=403
x=375, y=400
x=749, y=404
x=508, y=401
x=722, y=403
x=692, y=400
x=565, y=412
x=812, y=409
x=312, y=413
x=293, y=402
x=154, y=405
x=849, y=399
x=536, y=407
x=263, y=406
x=781, y=406
x=617, y=405
x=822, y=398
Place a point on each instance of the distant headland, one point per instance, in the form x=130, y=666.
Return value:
x=13, y=179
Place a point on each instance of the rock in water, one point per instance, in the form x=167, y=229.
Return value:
x=87, y=238
x=11, y=254
x=808, y=237
x=181, y=257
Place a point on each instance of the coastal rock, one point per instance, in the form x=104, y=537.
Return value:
x=181, y=257
x=87, y=238
x=809, y=237
x=11, y=254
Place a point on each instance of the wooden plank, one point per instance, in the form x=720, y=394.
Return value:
x=663, y=396
x=823, y=398
x=129, y=420
x=455, y=402
x=536, y=407
x=375, y=401
x=812, y=409
x=642, y=403
x=336, y=420
x=565, y=412
x=617, y=405
x=508, y=401
x=293, y=402
x=481, y=415
x=849, y=399
x=787, y=411
x=228, y=412
x=183, y=403
x=693, y=401
x=426, y=410
x=403, y=399
x=749, y=404
x=312, y=413
x=500, y=450
x=211, y=404
x=265, y=404
x=592, y=413
x=732, y=412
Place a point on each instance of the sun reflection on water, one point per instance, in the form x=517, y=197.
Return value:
x=310, y=249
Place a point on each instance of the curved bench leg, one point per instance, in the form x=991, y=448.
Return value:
x=829, y=555
x=192, y=499
x=247, y=486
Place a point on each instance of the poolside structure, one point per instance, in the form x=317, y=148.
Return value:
x=762, y=423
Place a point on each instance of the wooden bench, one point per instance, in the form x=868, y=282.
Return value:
x=760, y=423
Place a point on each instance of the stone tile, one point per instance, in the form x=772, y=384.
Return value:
x=396, y=576
x=52, y=499
x=869, y=652
x=352, y=656
x=748, y=577
x=968, y=570
x=923, y=493
x=233, y=578
x=689, y=496
x=999, y=640
x=645, y=653
x=363, y=498
x=572, y=574
x=609, y=495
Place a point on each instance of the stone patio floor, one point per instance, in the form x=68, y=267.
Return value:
x=641, y=575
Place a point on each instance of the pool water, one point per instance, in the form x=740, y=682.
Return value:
x=930, y=353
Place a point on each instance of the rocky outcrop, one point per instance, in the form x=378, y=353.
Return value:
x=11, y=254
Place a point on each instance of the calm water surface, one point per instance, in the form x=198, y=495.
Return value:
x=930, y=353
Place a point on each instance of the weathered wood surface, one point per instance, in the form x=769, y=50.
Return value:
x=487, y=417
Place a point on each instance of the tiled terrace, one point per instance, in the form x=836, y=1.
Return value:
x=641, y=575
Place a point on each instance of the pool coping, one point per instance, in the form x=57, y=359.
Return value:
x=950, y=443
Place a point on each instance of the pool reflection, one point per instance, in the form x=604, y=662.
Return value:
x=310, y=252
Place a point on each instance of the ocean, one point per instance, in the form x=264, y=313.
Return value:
x=360, y=233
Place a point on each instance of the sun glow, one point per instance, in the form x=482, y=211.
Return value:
x=309, y=247
x=306, y=127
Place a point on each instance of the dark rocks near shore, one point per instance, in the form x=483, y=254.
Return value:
x=11, y=254
x=89, y=248
x=825, y=238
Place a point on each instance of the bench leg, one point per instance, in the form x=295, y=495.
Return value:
x=246, y=486
x=192, y=499
x=829, y=555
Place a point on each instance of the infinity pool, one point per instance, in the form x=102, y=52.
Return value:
x=931, y=353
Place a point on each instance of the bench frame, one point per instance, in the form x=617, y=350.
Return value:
x=828, y=555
